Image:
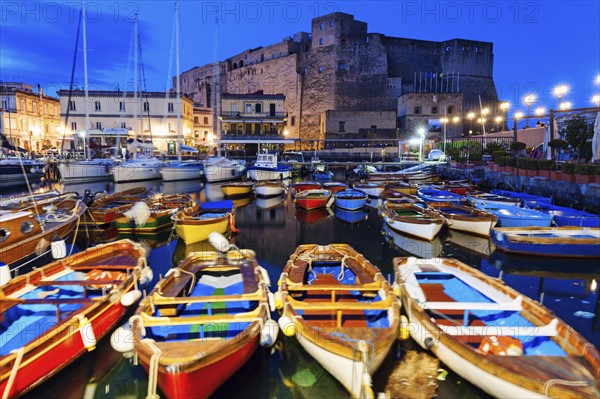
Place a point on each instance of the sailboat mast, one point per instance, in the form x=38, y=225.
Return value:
x=135, y=84
x=178, y=82
x=85, y=86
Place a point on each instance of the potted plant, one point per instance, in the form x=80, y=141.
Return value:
x=569, y=169
x=545, y=167
x=585, y=174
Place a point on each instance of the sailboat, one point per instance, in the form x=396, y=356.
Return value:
x=88, y=169
x=180, y=170
x=142, y=166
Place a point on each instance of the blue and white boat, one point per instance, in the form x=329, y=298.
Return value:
x=351, y=217
x=431, y=194
x=514, y=216
x=572, y=242
x=323, y=175
x=563, y=216
x=525, y=197
x=267, y=168
x=350, y=199
x=477, y=198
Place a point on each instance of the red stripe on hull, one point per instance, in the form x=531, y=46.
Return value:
x=309, y=204
x=205, y=381
x=61, y=355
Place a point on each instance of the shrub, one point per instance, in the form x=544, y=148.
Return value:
x=517, y=146
x=569, y=168
x=498, y=154
x=506, y=161
x=545, y=164
x=528, y=164
x=587, y=169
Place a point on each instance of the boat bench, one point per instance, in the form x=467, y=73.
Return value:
x=512, y=306
x=548, y=330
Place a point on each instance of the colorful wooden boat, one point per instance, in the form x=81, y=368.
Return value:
x=343, y=311
x=21, y=201
x=323, y=175
x=267, y=189
x=562, y=216
x=202, y=323
x=103, y=210
x=412, y=219
x=237, y=189
x=571, y=242
x=149, y=218
x=372, y=189
x=430, y=194
x=306, y=185
x=508, y=345
x=313, y=199
x=465, y=218
x=398, y=197
x=194, y=224
x=456, y=187
x=334, y=186
x=411, y=245
x=476, y=198
x=30, y=231
x=54, y=314
x=514, y=216
x=350, y=199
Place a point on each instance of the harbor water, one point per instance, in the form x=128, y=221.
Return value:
x=273, y=228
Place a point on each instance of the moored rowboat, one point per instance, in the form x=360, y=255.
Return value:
x=344, y=312
x=194, y=224
x=412, y=219
x=56, y=313
x=506, y=344
x=202, y=322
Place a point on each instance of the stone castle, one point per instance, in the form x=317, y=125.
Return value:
x=340, y=66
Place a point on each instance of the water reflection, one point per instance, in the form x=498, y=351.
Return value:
x=152, y=185
x=269, y=203
x=80, y=188
x=213, y=192
x=182, y=186
x=470, y=244
x=351, y=217
x=313, y=216
x=241, y=202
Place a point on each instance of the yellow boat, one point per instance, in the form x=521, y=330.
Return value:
x=237, y=189
x=194, y=224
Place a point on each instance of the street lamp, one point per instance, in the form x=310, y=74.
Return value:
x=444, y=122
x=498, y=119
x=529, y=100
x=421, y=132
x=564, y=106
x=596, y=100
x=560, y=91
x=539, y=111
x=470, y=116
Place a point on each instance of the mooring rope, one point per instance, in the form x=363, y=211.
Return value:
x=13, y=372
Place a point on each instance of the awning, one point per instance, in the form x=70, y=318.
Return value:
x=183, y=147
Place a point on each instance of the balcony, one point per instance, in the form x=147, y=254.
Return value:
x=254, y=117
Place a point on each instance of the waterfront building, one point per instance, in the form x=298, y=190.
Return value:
x=339, y=66
x=28, y=118
x=146, y=116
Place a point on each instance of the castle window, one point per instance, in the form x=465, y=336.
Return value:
x=35, y=107
x=450, y=109
x=341, y=66
x=72, y=106
x=434, y=110
x=293, y=121
x=248, y=108
x=196, y=119
x=331, y=22
x=206, y=120
x=121, y=106
x=320, y=41
x=417, y=110
x=123, y=125
x=258, y=108
x=321, y=26
x=342, y=126
x=73, y=125
x=320, y=69
x=448, y=49
x=170, y=107
x=146, y=106
x=476, y=49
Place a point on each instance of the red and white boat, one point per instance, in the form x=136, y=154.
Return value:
x=202, y=322
x=56, y=313
x=306, y=185
x=313, y=199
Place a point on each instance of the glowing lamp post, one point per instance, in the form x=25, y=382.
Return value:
x=419, y=140
x=529, y=100
x=470, y=117
x=565, y=106
x=444, y=122
x=516, y=117
x=596, y=100
x=560, y=91
x=498, y=119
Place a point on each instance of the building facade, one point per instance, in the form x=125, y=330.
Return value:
x=147, y=116
x=203, y=127
x=427, y=110
x=340, y=66
x=28, y=118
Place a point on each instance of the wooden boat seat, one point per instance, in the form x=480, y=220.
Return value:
x=549, y=330
x=77, y=282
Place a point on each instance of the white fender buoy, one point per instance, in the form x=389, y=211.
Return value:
x=146, y=276
x=131, y=297
x=121, y=339
x=265, y=275
x=87, y=333
x=330, y=202
x=269, y=333
x=287, y=326
x=58, y=248
x=278, y=300
x=4, y=274
x=271, y=301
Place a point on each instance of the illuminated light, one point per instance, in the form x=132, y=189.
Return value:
x=530, y=99
x=518, y=115
x=456, y=119
x=444, y=120
x=540, y=111
x=504, y=105
x=561, y=90
x=498, y=119
x=471, y=115
x=565, y=105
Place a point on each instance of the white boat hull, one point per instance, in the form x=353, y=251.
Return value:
x=425, y=231
x=174, y=173
x=136, y=170
x=215, y=172
x=488, y=382
x=481, y=228
x=268, y=191
x=80, y=171
x=259, y=175
x=347, y=371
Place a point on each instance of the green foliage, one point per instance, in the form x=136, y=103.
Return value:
x=587, y=169
x=557, y=144
x=496, y=146
x=498, y=154
x=545, y=164
x=507, y=161
x=517, y=146
x=528, y=164
x=569, y=168
x=577, y=131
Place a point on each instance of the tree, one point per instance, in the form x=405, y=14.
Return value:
x=576, y=132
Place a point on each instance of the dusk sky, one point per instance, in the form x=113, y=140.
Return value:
x=537, y=44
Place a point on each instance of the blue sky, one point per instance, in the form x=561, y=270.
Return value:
x=537, y=44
